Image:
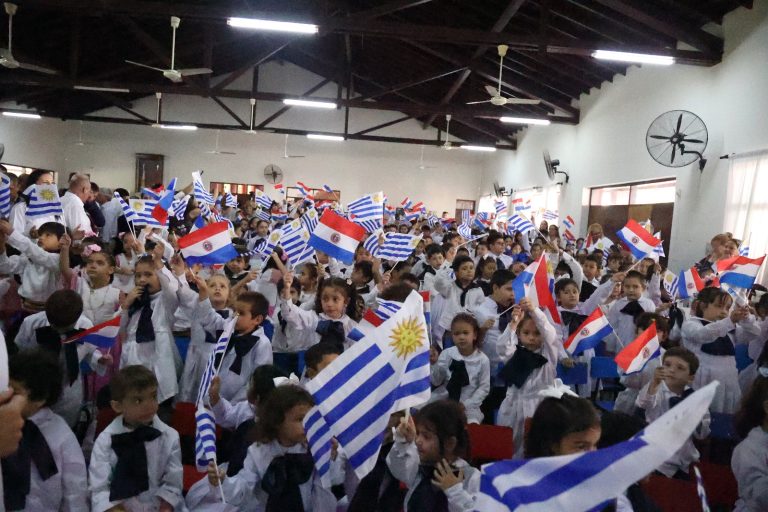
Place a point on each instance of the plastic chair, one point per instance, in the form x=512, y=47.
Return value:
x=601, y=370
x=742, y=357
x=720, y=484
x=490, y=442
x=671, y=494
x=183, y=419
x=573, y=376
x=722, y=427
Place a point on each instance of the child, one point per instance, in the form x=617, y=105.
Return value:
x=463, y=369
x=711, y=333
x=530, y=350
x=280, y=447
x=59, y=476
x=318, y=357
x=634, y=382
x=750, y=457
x=591, y=268
x=61, y=319
x=624, y=311
x=126, y=249
x=427, y=457
x=136, y=460
x=562, y=425
x=308, y=279
x=485, y=268
x=459, y=294
x=672, y=383
x=236, y=269
x=147, y=324
x=435, y=261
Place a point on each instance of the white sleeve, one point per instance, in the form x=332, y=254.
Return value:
x=751, y=476
x=173, y=477
x=103, y=459
x=484, y=387
x=301, y=318
x=578, y=273
x=12, y=264
x=403, y=461
x=443, y=282
x=654, y=289
x=696, y=333
x=25, y=338
x=598, y=297
x=240, y=487
x=551, y=347
x=462, y=497
x=438, y=372
x=36, y=254
x=506, y=345
x=74, y=476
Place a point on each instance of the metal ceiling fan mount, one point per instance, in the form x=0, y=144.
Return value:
x=7, y=60
x=496, y=98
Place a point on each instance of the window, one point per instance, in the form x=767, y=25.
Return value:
x=534, y=201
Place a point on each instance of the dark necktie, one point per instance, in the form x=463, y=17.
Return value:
x=50, y=339
x=209, y=338
x=587, y=289
x=365, y=289
x=241, y=345
x=130, y=477
x=633, y=308
x=18, y=466
x=282, y=321
x=379, y=490
x=282, y=479
x=241, y=441
x=427, y=497
x=459, y=379
x=505, y=315
x=572, y=320
x=500, y=264
x=722, y=346
x=145, y=331
x=331, y=331
x=674, y=400
x=463, y=296
x=520, y=366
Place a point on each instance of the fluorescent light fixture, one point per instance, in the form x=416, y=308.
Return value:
x=307, y=103
x=187, y=127
x=489, y=149
x=25, y=115
x=638, y=58
x=524, y=120
x=276, y=26
x=320, y=136
x=100, y=89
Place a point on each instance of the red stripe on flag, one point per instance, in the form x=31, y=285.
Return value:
x=202, y=233
x=342, y=225
x=629, y=353
x=372, y=318
x=115, y=322
x=642, y=233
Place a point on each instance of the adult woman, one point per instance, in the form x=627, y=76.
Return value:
x=19, y=219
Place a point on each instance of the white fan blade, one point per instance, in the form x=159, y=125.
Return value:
x=227, y=153
x=145, y=66
x=522, y=101
x=492, y=90
x=477, y=102
x=39, y=69
x=195, y=71
x=5, y=54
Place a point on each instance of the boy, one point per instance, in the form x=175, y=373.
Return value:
x=624, y=311
x=136, y=460
x=61, y=319
x=592, y=268
x=47, y=442
x=236, y=269
x=672, y=383
x=435, y=261
x=317, y=357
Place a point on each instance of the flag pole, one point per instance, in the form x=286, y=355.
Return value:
x=472, y=240
x=218, y=368
x=221, y=489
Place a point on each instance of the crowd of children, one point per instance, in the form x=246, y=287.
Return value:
x=494, y=359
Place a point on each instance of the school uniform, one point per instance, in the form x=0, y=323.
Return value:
x=290, y=337
x=24, y=224
x=38, y=269
x=634, y=382
x=319, y=326
x=750, y=467
x=622, y=316
x=99, y=304
x=713, y=343
x=125, y=282
x=486, y=310
x=656, y=405
x=36, y=332
x=266, y=284
x=244, y=354
x=121, y=451
x=756, y=346
x=466, y=379
x=49, y=466
x=403, y=461
x=457, y=298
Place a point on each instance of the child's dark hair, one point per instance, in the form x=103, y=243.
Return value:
x=262, y=383
x=564, y=269
x=146, y=259
x=458, y=261
x=433, y=249
x=560, y=284
x=684, y=354
x=314, y=354
x=615, y=256
x=258, y=304
x=270, y=261
x=104, y=249
x=272, y=411
x=63, y=308
x=345, y=288
x=618, y=427
x=596, y=258
x=471, y=320
x=294, y=284
x=311, y=270
x=410, y=279
x=495, y=235
x=634, y=274
x=366, y=269
x=751, y=413
x=501, y=277
x=52, y=228
x=481, y=264
x=554, y=419
x=39, y=372
x=446, y=419
x=131, y=378
x=644, y=321
x=708, y=296
x=398, y=291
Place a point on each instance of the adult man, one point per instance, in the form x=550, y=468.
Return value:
x=73, y=203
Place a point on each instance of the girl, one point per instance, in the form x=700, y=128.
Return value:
x=330, y=321
x=750, y=457
x=711, y=333
x=427, y=457
x=280, y=448
x=288, y=340
x=126, y=249
x=652, y=272
x=308, y=282
x=485, y=269
x=529, y=349
x=563, y=424
x=463, y=371
x=28, y=225
x=461, y=293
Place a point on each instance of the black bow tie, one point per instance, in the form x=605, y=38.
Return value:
x=722, y=346
x=674, y=400
x=130, y=477
x=633, y=308
x=241, y=345
x=463, y=296
x=572, y=320
x=426, y=496
x=50, y=339
x=18, y=466
x=520, y=366
x=459, y=379
x=145, y=331
x=331, y=331
x=282, y=480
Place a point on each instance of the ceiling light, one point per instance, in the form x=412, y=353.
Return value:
x=277, y=26
x=524, y=120
x=100, y=89
x=25, y=115
x=187, y=127
x=638, y=58
x=489, y=149
x=307, y=103
x=320, y=136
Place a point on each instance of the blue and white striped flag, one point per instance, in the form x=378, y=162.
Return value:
x=371, y=243
x=201, y=192
x=151, y=194
x=328, y=189
x=179, y=207
x=519, y=223
x=658, y=251
x=44, y=200
x=465, y=217
x=744, y=247
x=294, y=243
x=310, y=219
x=433, y=220
x=261, y=214
x=230, y=200
x=501, y=207
x=205, y=438
x=262, y=199
x=580, y=482
x=669, y=281
x=272, y=240
x=549, y=215
x=367, y=211
x=5, y=195
x=210, y=367
x=398, y=246
x=386, y=371
x=130, y=213
x=143, y=209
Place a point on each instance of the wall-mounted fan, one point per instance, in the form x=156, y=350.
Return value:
x=6, y=56
x=551, y=166
x=495, y=92
x=677, y=138
x=500, y=191
x=273, y=174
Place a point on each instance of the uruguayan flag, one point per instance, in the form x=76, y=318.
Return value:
x=549, y=215
x=744, y=247
x=398, y=246
x=262, y=199
x=179, y=207
x=201, y=193
x=294, y=243
x=433, y=221
x=230, y=200
x=210, y=368
x=130, y=213
x=5, y=195
x=371, y=243
x=261, y=214
x=367, y=211
x=151, y=194
x=466, y=232
x=386, y=371
x=580, y=482
x=520, y=223
x=143, y=209
x=44, y=200
x=205, y=438
x=310, y=219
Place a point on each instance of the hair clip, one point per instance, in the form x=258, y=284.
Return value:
x=557, y=390
x=90, y=249
x=763, y=370
x=283, y=381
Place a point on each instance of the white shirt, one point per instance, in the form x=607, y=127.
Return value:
x=624, y=324
x=750, y=467
x=479, y=373
x=38, y=268
x=74, y=213
x=234, y=387
x=112, y=210
x=447, y=287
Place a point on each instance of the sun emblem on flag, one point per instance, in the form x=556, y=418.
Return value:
x=274, y=236
x=138, y=205
x=48, y=195
x=415, y=242
x=407, y=337
x=335, y=238
x=377, y=198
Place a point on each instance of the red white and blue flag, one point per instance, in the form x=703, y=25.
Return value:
x=739, y=272
x=336, y=236
x=636, y=355
x=103, y=335
x=639, y=241
x=689, y=283
x=568, y=222
x=537, y=284
x=160, y=211
x=208, y=245
x=304, y=190
x=589, y=334
x=406, y=204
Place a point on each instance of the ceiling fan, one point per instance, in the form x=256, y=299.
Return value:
x=216, y=150
x=174, y=75
x=421, y=166
x=80, y=141
x=6, y=57
x=447, y=144
x=495, y=92
x=285, y=150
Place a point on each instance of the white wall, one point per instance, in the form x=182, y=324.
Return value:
x=608, y=145
x=354, y=167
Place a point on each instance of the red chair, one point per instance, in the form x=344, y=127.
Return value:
x=191, y=476
x=103, y=418
x=720, y=484
x=672, y=495
x=490, y=442
x=183, y=418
